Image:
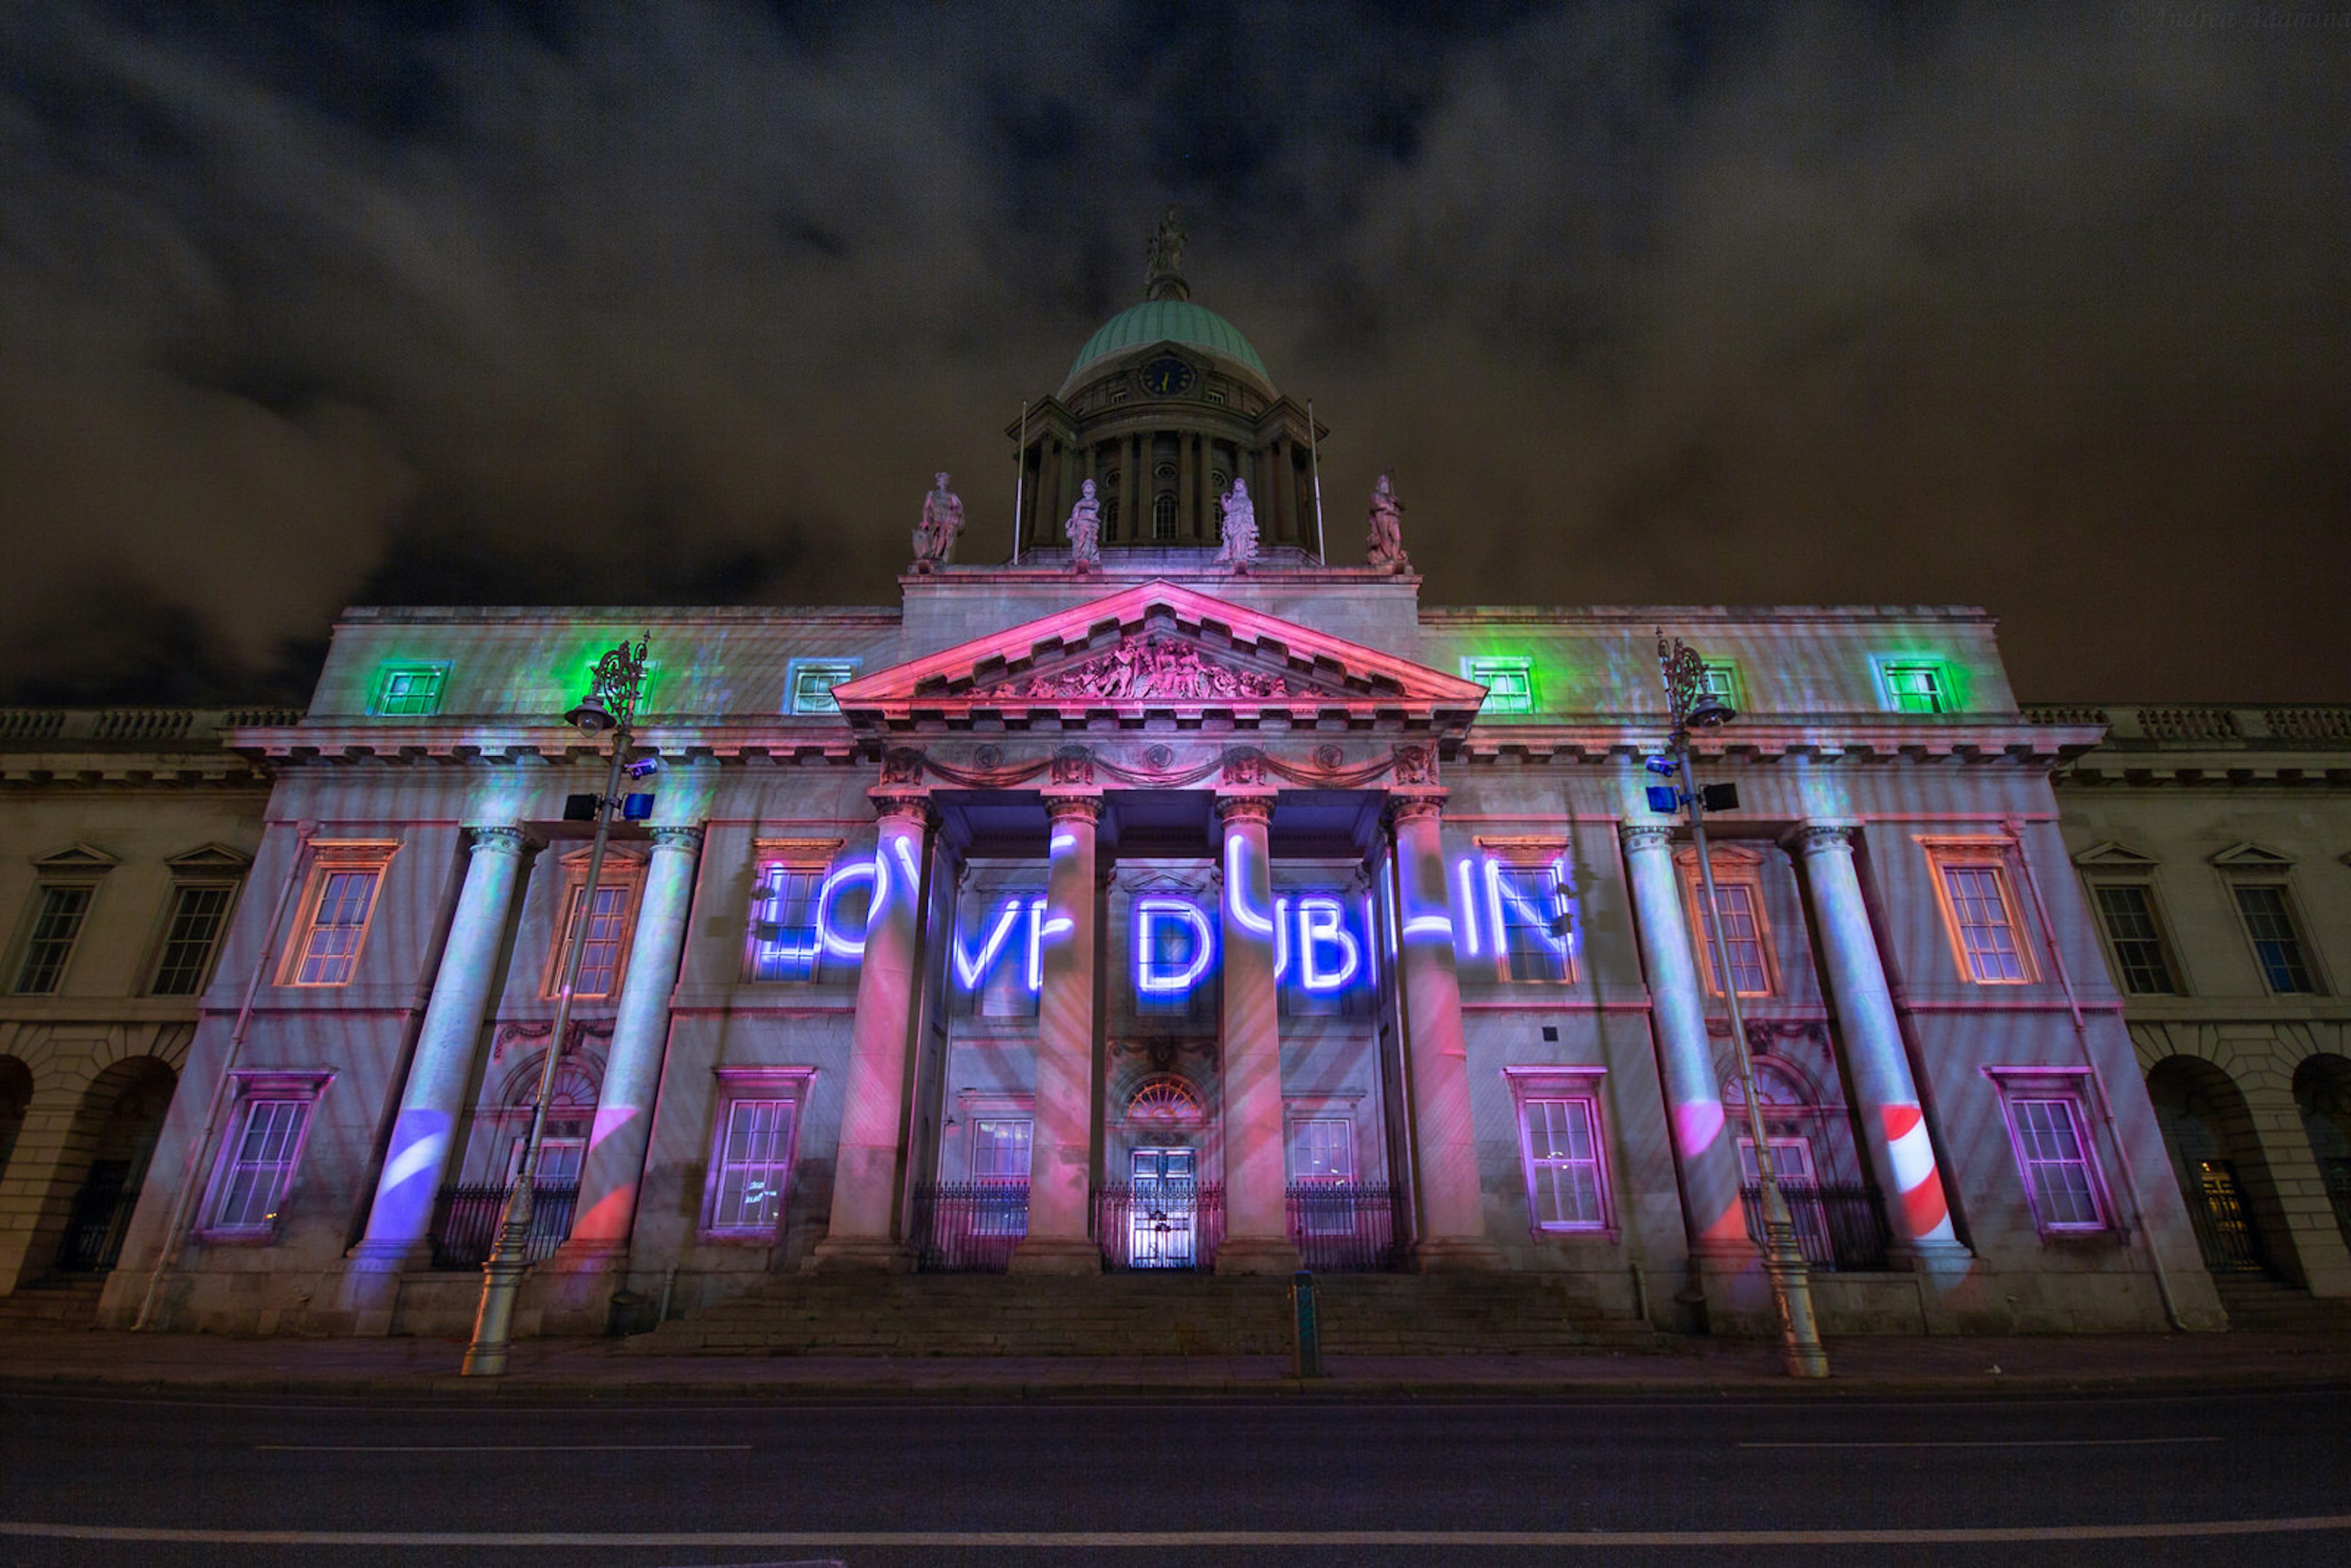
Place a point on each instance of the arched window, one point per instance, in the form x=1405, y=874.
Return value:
x=1163, y=518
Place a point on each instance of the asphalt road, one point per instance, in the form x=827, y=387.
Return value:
x=2254, y=1477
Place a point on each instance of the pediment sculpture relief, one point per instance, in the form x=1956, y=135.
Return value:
x=1169, y=671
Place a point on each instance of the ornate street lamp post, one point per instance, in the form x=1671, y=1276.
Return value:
x=1695, y=707
x=611, y=705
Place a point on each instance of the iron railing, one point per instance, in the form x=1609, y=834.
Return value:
x=1346, y=1228
x=465, y=1223
x=1840, y=1227
x=2216, y=1208
x=1171, y=1225
x=101, y=1214
x=969, y=1227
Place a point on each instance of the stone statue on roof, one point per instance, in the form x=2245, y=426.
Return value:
x=1085, y=530
x=1387, y=544
x=1240, y=527
x=942, y=521
x=1163, y=277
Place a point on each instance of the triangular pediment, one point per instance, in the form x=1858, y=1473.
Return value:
x=212, y=857
x=76, y=857
x=2250, y=856
x=1157, y=648
x=2113, y=856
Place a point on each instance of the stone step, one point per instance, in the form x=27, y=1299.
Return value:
x=1144, y=1314
x=2257, y=1305
x=54, y=1303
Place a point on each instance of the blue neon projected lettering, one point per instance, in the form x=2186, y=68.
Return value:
x=1281, y=937
x=1467, y=873
x=972, y=968
x=1236, y=891
x=835, y=943
x=1554, y=927
x=1322, y=924
x=1151, y=974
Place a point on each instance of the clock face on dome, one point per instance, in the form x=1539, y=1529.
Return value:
x=1166, y=376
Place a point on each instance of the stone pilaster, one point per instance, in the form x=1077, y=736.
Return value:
x=1452, y=1201
x=865, y=1167
x=616, y=1150
x=1061, y=1147
x=1894, y=1125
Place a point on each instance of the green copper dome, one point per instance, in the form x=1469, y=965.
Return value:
x=1164, y=320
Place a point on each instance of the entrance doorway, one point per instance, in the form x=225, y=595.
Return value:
x=1162, y=1221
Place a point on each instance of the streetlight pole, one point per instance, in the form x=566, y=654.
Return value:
x=611, y=705
x=1783, y=1259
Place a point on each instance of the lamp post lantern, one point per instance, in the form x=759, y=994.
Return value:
x=1693, y=706
x=610, y=705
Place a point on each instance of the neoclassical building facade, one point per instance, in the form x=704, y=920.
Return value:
x=1175, y=910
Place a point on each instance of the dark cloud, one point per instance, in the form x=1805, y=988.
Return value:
x=307, y=304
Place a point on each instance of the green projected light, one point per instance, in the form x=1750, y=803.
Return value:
x=1913, y=684
x=407, y=690
x=1509, y=680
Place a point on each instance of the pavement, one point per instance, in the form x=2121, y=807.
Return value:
x=116, y=1359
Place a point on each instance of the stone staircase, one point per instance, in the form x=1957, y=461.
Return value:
x=2259, y=1305
x=57, y=1303
x=1144, y=1314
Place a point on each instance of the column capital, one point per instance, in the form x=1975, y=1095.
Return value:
x=1413, y=808
x=1644, y=835
x=897, y=803
x=682, y=836
x=1059, y=806
x=499, y=840
x=1821, y=838
x=1231, y=808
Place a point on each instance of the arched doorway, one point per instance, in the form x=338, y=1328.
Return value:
x=2322, y=1092
x=465, y=1225
x=1164, y=1215
x=1839, y=1223
x=16, y=1101
x=2218, y=1161
x=122, y=1116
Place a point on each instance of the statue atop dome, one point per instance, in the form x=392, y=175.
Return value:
x=1163, y=278
x=1386, y=544
x=1085, y=531
x=1240, y=527
x=942, y=521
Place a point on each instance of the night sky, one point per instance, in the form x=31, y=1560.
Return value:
x=2040, y=307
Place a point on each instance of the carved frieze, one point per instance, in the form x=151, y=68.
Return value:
x=1143, y=669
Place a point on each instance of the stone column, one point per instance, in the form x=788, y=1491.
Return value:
x=616, y=1150
x=1049, y=489
x=435, y=1096
x=1060, y=1151
x=1452, y=1202
x=1277, y=470
x=1189, y=524
x=865, y=1167
x=1705, y=1149
x=1256, y=1222
x=1134, y=500
x=1894, y=1126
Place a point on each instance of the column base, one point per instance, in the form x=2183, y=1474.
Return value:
x=862, y=1255
x=1456, y=1254
x=1056, y=1255
x=1257, y=1255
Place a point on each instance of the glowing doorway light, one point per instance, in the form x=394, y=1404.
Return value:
x=1322, y=923
x=835, y=943
x=1149, y=915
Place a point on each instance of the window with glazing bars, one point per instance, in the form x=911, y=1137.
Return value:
x=1000, y=1148
x=2127, y=912
x=1987, y=928
x=2055, y=1158
x=1742, y=941
x=1564, y=1175
x=330, y=945
x=783, y=944
x=2277, y=945
x=1163, y=518
x=600, y=957
x=1918, y=688
x=199, y=914
x=58, y=915
x=260, y=1164
x=754, y=1165
x=1534, y=932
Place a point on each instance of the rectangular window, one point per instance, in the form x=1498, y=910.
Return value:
x=1563, y=1158
x=1534, y=923
x=407, y=691
x=753, y=1166
x=1740, y=923
x=809, y=683
x=1509, y=683
x=2277, y=940
x=2126, y=911
x=1000, y=1148
x=784, y=942
x=57, y=916
x=190, y=937
x=2049, y=1125
x=1323, y=1149
x=1980, y=909
x=341, y=900
x=600, y=954
x=1720, y=678
x=1917, y=687
x=264, y=1148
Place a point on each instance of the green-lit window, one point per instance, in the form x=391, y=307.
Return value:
x=1721, y=680
x=809, y=683
x=408, y=691
x=1509, y=683
x=1919, y=686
